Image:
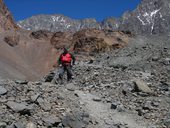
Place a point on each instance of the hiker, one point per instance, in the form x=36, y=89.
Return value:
x=66, y=61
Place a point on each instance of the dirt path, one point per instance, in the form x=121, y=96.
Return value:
x=106, y=117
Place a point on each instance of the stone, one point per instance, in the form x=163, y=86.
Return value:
x=167, y=123
x=18, y=107
x=147, y=105
x=45, y=105
x=121, y=108
x=18, y=125
x=165, y=86
x=97, y=99
x=167, y=61
x=141, y=86
x=114, y=105
x=52, y=121
x=3, y=125
x=31, y=125
x=70, y=87
x=155, y=58
x=38, y=83
x=2, y=90
x=35, y=97
x=155, y=103
x=21, y=82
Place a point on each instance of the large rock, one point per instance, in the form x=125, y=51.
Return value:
x=2, y=90
x=12, y=40
x=3, y=125
x=52, y=121
x=18, y=107
x=92, y=41
x=141, y=86
x=31, y=125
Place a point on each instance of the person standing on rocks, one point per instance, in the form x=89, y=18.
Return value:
x=65, y=61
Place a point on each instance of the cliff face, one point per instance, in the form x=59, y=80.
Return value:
x=6, y=19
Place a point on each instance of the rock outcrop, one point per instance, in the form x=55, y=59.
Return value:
x=94, y=41
x=6, y=19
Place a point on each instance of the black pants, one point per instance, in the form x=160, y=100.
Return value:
x=68, y=69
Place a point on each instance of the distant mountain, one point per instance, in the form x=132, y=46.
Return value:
x=57, y=23
x=62, y=23
x=150, y=17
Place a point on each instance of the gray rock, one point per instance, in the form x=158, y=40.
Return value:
x=38, y=83
x=155, y=58
x=155, y=104
x=167, y=123
x=21, y=82
x=141, y=86
x=31, y=125
x=71, y=87
x=52, y=121
x=2, y=90
x=18, y=125
x=17, y=107
x=97, y=99
x=45, y=105
x=35, y=97
x=167, y=61
x=3, y=125
x=73, y=121
x=148, y=105
x=114, y=105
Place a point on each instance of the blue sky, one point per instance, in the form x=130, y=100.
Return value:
x=77, y=9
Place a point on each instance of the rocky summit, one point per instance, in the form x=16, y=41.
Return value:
x=121, y=79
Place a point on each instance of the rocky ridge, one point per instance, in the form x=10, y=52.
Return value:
x=150, y=17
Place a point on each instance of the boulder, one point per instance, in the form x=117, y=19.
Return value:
x=141, y=86
x=18, y=107
x=51, y=121
x=2, y=90
x=31, y=125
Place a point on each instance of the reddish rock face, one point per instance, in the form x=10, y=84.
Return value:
x=95, y=41
x=6, y=19
x=62, y=39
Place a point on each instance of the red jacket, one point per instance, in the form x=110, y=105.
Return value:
x=66, y=59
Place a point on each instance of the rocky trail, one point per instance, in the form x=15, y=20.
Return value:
x=121, y=80
x=99, y=97
x=104, y=115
